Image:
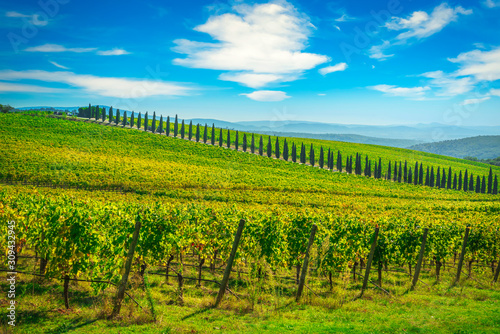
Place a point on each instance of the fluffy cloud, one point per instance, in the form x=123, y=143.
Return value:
x=420, y=24
x=61, y=48
x=474, y=101
x=24, y=88
x=414, y=92
x=416, y=26
x=334, y=68
x=482, y=65
x=104, y=86
x=449, y=84
x=495, y=92
x=492, y=3
x=267, y=96
x=258, y=44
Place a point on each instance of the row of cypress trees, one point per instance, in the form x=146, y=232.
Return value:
x=398, y=173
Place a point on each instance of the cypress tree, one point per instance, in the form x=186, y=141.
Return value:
x=405, y=173
x=132, y=120
x=302, y=158
x=205, y=134
x=183, y=129
x=221, y=141
x=244, y=142
x=409, y=176
x=427, y=178
x=124, y=118
x=369, y=168
x=167, y=126
x=478, y=184
x=466, y=181
x=448, y=184
x=483, y=185
x=432, y=177
x=471, y=182
x=110, y=114
x=213, y=135
x=395, y=171
x=329, y=160
x=236, y=140
x=375, y=171
x=228, y=140
x=139, y=121
x=146, y=122
x=176, y=126
x=153, y=123
x=438, y=178
x=339, y=161
x=421, y=175
x=494, y=191
x=190, y=133
x=455, y=181
x=400, y=172
x=443, y=180
x=490, y=181
x=389, y=171
x=89, y=112
x=117, y=117
x=321, y=161
x=311, y=156
x=252, y=144
x=198, y=132
x=103, y=114
x=285, y=150
x=160, y=126
x=294, y=152
x=269, y=148
x=459, y=184
x=261, y=146
x=277, y=148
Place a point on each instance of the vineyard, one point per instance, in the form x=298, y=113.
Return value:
x=77, y=190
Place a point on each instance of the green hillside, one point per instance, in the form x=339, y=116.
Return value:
x=480, y=147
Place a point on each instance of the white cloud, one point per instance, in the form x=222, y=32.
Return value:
x=474, y=101
x=58, y=65
x=420, y=24
x=104, y=86
x=61, y=48
x=262, y=43
x=35, y=19
x=492, y=3
x=377, y=51
x=495, y=92
x=321, y=94
x=414, y=92
x=482, y=65
x=58, y=48
x=23, y=88
x=113, y=52
x=449, y=84
x=416, y=26
x=267, y=96
x=335, y=68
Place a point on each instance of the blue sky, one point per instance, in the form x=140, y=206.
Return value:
x=352, y=62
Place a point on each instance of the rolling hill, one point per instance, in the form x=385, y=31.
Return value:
x=481, y=147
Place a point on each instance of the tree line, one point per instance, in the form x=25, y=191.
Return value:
x=397, y=172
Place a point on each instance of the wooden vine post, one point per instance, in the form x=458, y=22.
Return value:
x=128, y=264
x=306, y=263
x=229, y=265
x=420, y=259
x=462, y=255
x=370, y=259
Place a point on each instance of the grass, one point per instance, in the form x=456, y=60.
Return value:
x=265, y=307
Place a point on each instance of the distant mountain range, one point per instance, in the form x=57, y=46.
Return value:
x=386, y=135
x=481, y=147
